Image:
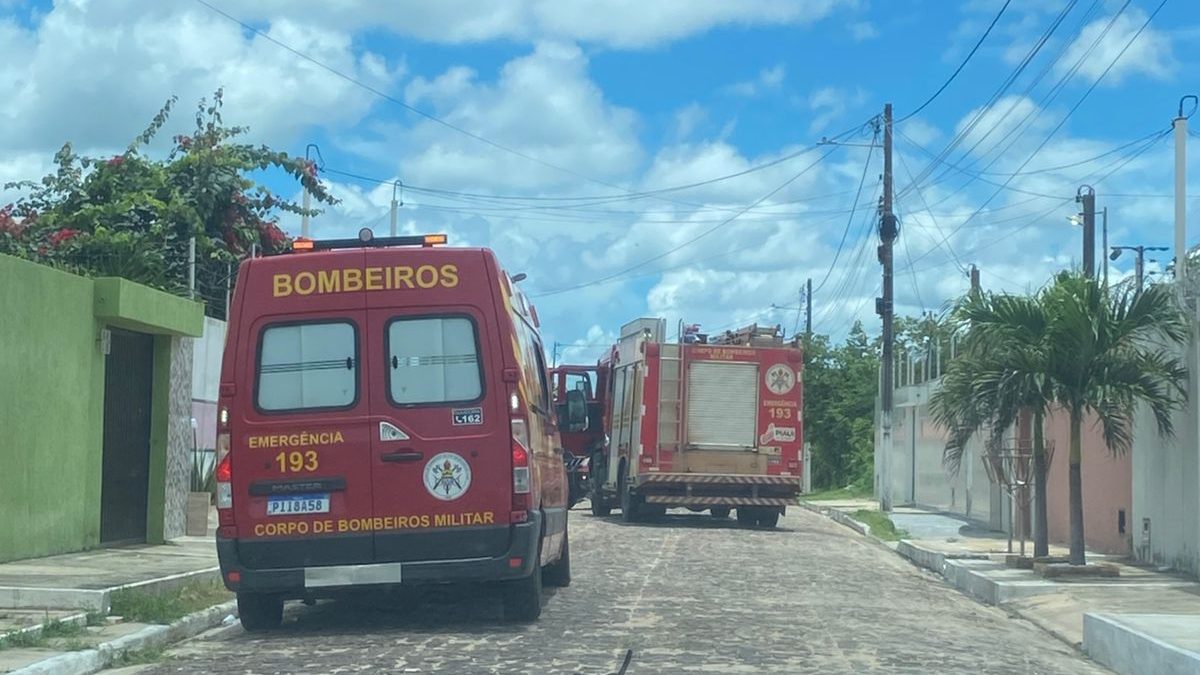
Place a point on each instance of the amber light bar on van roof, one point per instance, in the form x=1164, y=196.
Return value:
x=366, y=239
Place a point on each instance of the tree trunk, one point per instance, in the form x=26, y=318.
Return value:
x=1041, y=534
x=1076, y=490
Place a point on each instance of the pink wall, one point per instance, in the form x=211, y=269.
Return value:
x=1107, y=488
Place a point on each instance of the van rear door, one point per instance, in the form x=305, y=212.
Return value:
x=441, y=443
x=302, y=471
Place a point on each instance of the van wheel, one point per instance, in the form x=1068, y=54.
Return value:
x=720, y=511
x=259, y=612
x=768, y=518
x=629, y=501
x=747, y=516
x=523, y=598
x=558, y=573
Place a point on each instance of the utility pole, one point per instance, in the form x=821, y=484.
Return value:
x=1087, y=196
x=974, y=279
x=1104, y=246
x=808, y=309
x=1181, y=124
x=396, y=205
x=1139, y=265
x=307, y=195
x=884, y=306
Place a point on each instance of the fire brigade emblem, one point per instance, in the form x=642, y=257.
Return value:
x=780, y=379
x=447, y=476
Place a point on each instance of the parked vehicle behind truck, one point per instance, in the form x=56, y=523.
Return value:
x=579, y=403
x=708, y=422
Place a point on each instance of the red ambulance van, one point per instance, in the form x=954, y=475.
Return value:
x=384, y=418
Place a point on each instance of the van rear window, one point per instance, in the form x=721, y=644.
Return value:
x=302, y=366
x=433, y=360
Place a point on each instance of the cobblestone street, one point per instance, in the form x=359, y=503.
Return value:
x=687, y=593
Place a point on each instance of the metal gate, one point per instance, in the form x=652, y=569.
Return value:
x=128, y=380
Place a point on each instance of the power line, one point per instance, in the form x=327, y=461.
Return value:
x=1059, y=126
x=1008, y=82
x=1030, y=222
x=850, y=220
x=932, y=218
x=961, y=65
x=703, y=234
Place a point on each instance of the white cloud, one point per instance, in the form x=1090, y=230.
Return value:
x=830, y=104
x=95, y=73
x=614, y=23
x=1151, y=54
x=861, y=31
x=688, y=119
x=768, y=79
x=543, y=103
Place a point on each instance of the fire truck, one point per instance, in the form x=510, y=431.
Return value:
x=708, y=422
x=579, y=391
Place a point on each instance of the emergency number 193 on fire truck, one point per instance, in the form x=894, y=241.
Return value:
x=384, y=418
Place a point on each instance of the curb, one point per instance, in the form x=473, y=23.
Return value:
x=90, y=661
x=95, y=600
x=36, y=629
x=841, y=517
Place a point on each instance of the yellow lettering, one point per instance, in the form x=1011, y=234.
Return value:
x=306, y=283
x=337, y=437
x=403, y=275
x=488, y=518
x=352, y=280
x=258, y=530
x=282, y=286
x=424, y=521
x=374, y=278
x=449, y=276
x=329, y=281
x=427, y=276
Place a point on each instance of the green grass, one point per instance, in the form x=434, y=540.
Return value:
x=137, y=657
x=96, y=618
x=851, y=492
x=145, y=607
x=881, y=526
x=59, y=629
x=27, y=640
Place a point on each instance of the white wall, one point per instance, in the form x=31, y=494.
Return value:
x=1166, y=482
x=206, y=377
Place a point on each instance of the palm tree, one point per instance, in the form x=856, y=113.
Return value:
x=998, y=375
x=1105, y=354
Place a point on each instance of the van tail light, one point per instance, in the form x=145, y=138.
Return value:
x=521, y=500
x=224, y=479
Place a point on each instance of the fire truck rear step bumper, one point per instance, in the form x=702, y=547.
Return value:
x=718, y=479
x=719, y=501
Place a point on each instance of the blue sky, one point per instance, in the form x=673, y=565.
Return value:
x=627, y=97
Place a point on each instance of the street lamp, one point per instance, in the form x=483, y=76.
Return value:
x=1140, y=265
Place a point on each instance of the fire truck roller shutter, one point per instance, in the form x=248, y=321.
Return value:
x=722, y=405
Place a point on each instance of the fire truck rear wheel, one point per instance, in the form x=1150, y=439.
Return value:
x=720, y=511
x=747, y=516
x=630, y=503
x=768, y=518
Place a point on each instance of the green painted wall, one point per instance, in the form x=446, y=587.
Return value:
x=52, y=401
x=51, y=411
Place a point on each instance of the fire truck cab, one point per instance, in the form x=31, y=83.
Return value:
x=385, y=419
x=578, y=394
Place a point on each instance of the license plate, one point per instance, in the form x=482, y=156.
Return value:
x=295, y=504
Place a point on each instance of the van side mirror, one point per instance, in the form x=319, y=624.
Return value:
x=577, y=416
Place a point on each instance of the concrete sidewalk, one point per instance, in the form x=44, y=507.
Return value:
x=86, y=580
x=1151, y=610
x=53, y=610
